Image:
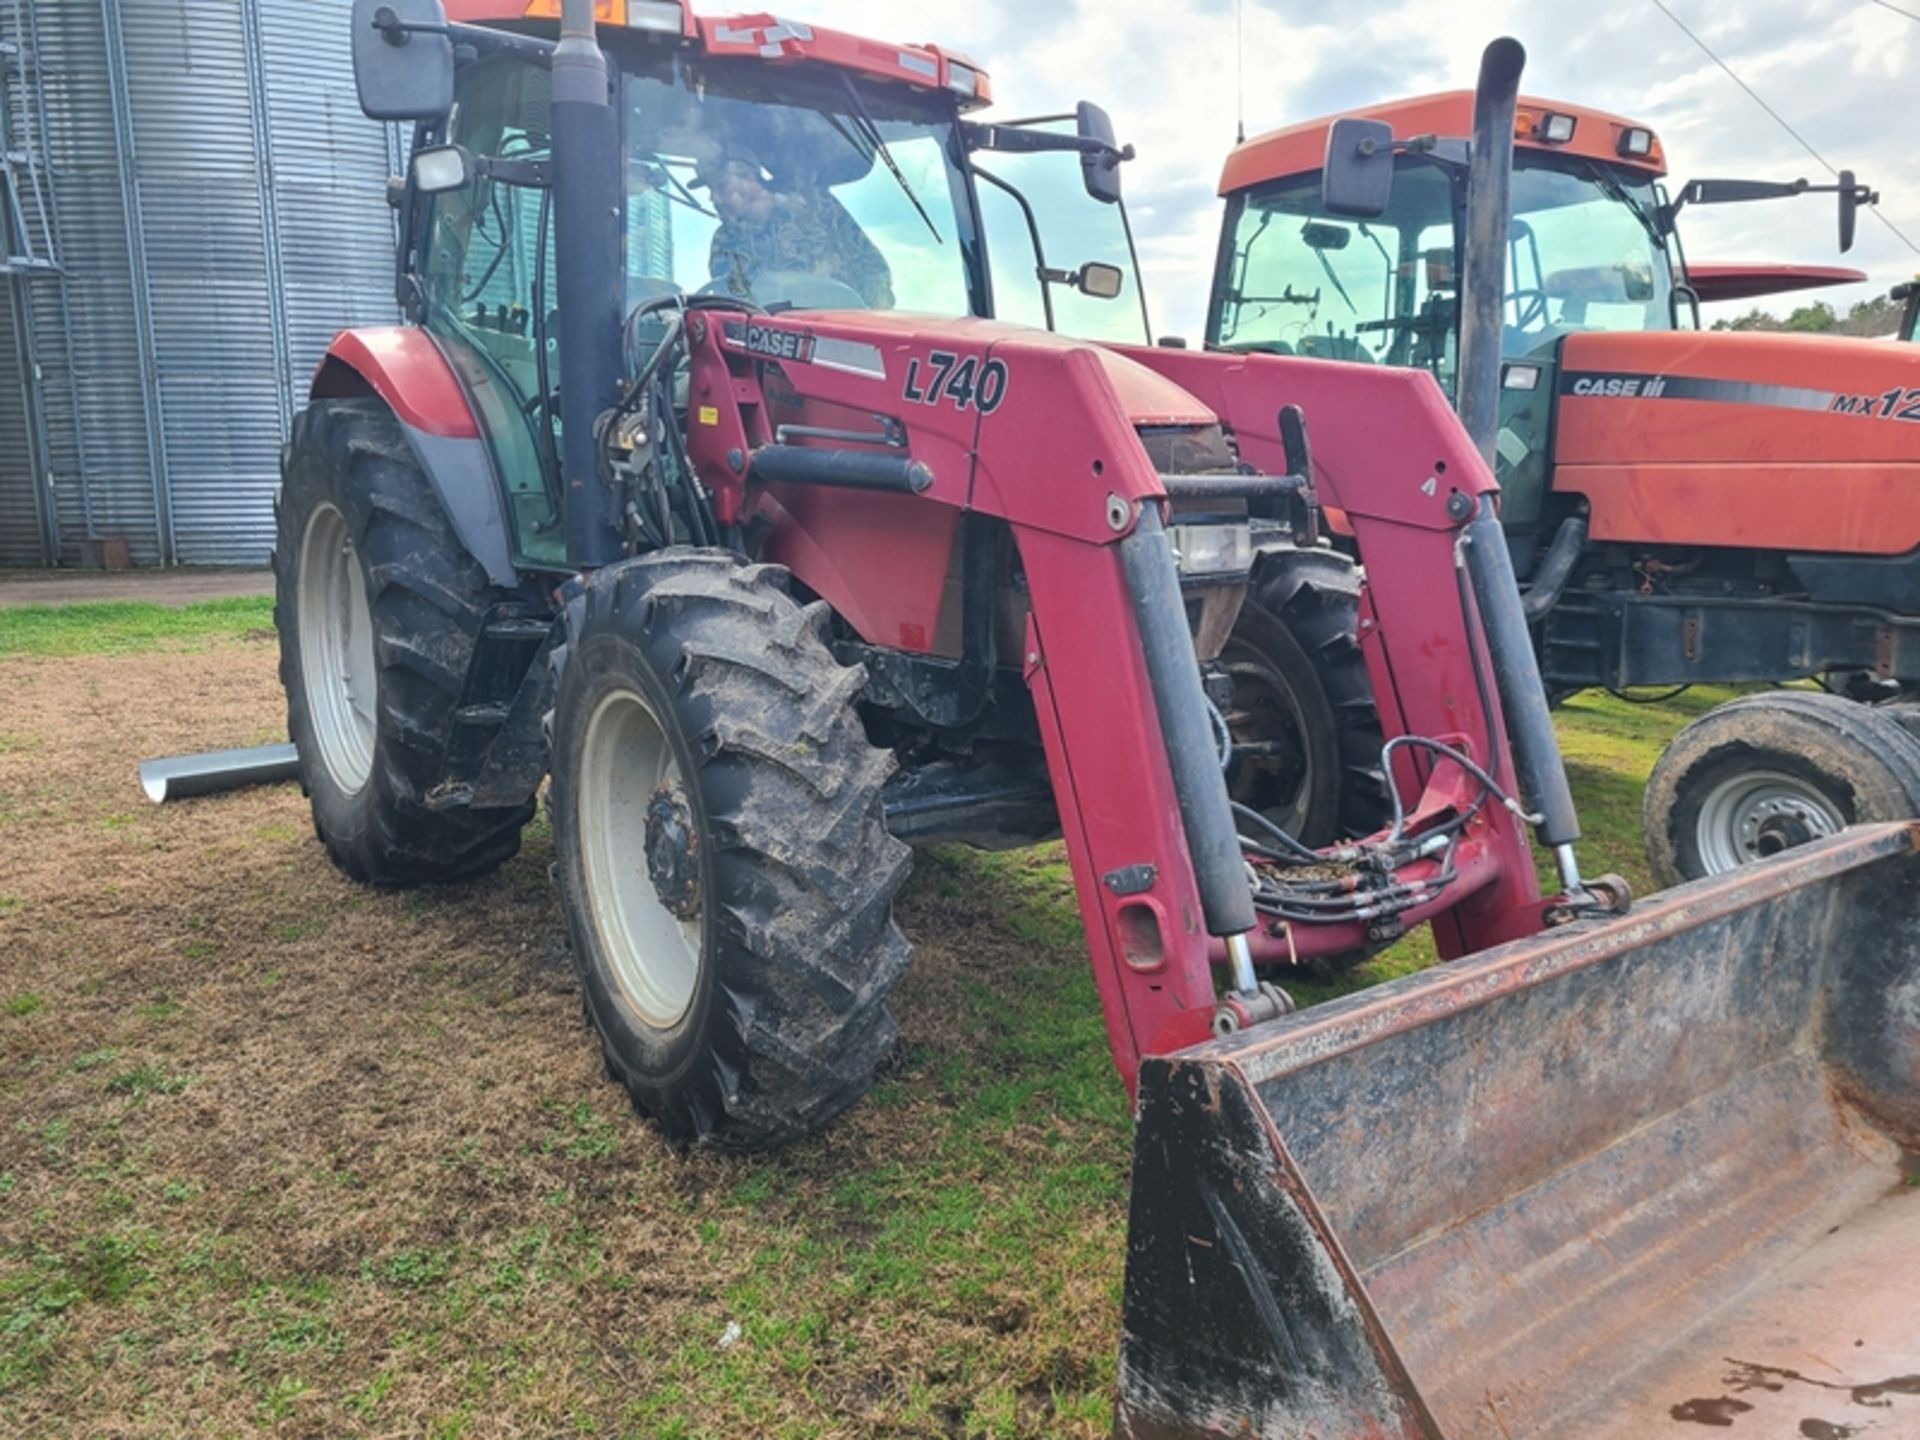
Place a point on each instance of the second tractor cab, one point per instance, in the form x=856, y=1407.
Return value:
x=1682, y=506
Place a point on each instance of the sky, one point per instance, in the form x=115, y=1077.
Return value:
x=1844, y=73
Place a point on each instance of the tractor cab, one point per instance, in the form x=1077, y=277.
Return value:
x=1587, y=251
x=1592, y=249
x=780, y=165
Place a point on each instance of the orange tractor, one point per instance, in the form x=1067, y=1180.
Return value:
x=1681, y=506
x=664, y=494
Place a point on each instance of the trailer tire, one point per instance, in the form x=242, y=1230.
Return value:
x=374, y=591
x=1301, y=687
x=738, y=974
x=1766, y=772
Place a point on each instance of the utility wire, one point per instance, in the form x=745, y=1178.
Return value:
x=1778, y=118
x=1896, y=9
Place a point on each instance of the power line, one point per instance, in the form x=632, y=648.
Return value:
x=1778, y=118
x=1896, y=9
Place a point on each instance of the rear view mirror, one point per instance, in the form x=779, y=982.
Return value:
x=402, y=59
x=1099, y=163
x=1100, y=280
x=1356, y=179
x=1318, y=235
x=1724, y=192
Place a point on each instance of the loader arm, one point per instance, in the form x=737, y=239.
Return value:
x=1042, y=434
x=1389, y=454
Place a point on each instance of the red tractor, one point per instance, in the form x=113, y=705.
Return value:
x=797, y=576
x=666, y=492
x=1682, y=506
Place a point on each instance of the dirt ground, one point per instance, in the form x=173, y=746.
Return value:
x=162, y=587
x=282, y=1155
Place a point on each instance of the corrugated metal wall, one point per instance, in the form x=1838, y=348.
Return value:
x=88, y=358
x=222, y=212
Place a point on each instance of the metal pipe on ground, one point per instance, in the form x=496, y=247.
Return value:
x=182, y=777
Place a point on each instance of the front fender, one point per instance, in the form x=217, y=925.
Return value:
x=405, y=368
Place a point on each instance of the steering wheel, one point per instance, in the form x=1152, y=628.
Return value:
x=1535, y=308
x=797, y=289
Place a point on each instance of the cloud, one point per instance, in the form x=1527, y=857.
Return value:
x=1842, y=73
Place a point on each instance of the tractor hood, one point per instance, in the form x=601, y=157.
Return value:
x=1147, y=398
x=1764, y=397
x=1775, y=441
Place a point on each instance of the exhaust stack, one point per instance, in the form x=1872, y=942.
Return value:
x=588, y=206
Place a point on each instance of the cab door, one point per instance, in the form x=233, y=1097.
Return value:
x=487, y=291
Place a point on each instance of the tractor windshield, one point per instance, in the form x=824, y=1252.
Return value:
x=810, y=189
x=1584, y=255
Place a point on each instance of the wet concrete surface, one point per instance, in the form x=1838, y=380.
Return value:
x=160, y=587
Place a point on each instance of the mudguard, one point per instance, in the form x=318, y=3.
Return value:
x=404, y=366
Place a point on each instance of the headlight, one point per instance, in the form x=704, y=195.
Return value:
x=1212, y=549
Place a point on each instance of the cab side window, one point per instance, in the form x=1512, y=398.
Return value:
x=489, y=278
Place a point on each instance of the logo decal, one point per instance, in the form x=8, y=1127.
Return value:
x=776, y=343
x=1895, y=404
x=1600, y=384
x=969, y=384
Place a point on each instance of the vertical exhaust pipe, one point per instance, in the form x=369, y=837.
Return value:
x=1489, y=218
x=588, y=204
x=1483, y=545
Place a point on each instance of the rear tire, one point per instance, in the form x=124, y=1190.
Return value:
x=724, y=861
x=1301, y=694
x=1765, y=773
x=378, y=607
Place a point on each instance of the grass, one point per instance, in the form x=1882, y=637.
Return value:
x=282, y=1156
x=118, y=627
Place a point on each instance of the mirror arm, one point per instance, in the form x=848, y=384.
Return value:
x=534, y=174
x=1033, y=233
x=1011, y=140
x=396, y=31
x=489, y=41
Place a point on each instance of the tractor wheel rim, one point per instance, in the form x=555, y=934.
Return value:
x=641, y=847
x=1272, y=766
x=1750, y=816
x=336, y=649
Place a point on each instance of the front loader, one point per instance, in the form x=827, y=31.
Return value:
x=778, y=561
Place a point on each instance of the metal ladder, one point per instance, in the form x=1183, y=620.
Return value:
x=20, y=168
x=29, y=230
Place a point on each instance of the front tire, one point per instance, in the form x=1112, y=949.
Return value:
x=1765, y=773
x=1305, y=728
x=378, y=607
x=724, y=862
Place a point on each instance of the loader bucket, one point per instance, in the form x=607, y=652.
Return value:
x=1627, y=1179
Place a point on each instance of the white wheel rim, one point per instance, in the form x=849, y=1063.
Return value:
x=628, y=778
x=336, y=649
x=1760, y=813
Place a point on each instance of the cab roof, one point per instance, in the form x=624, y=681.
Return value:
x=929, y=67
x=1301, y=149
